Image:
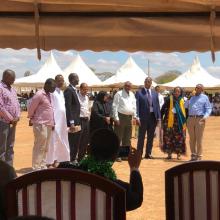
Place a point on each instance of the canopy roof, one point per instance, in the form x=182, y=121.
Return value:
x=49, y=70
x=86, y=75
x=116, y=5
x=129, y=71
x=195, y=75
x=130, y=25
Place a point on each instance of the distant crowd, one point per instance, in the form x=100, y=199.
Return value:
x=24, y=98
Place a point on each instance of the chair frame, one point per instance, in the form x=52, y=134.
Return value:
x=73, y=175
x=189, y=167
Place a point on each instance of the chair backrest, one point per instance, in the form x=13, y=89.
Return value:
x=193, y=191
x=66, y=194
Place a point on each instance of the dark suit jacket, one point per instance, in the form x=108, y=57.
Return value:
x=72, y=106
x=143, y=106
x=134, y=189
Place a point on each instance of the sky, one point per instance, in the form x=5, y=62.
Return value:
x=106, y=61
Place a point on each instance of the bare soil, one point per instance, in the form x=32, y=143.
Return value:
x=153, y=207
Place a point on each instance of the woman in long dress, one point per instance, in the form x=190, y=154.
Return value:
x=174, y=124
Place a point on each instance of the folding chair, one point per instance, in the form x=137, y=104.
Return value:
x=65, y=194
x=193, y=191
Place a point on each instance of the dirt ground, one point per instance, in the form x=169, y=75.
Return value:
x=152, y=171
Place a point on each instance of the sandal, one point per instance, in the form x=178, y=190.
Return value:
x=178, y=156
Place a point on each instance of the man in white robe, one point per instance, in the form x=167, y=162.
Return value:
x=58, y=150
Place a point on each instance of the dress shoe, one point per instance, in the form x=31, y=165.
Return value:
x=169, y=157
x=199, y=157
x=193, y=157
x=148, y=157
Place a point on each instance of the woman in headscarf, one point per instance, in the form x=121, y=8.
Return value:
x=174, y=124
x=100, y=113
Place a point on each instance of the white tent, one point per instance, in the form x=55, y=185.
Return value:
x=195, y=75
x=86, y=75
x=129, y=71
x=49, y=70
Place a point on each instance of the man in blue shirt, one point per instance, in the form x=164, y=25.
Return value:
x=199, y=108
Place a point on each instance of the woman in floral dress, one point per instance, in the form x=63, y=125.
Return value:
x=174, y=124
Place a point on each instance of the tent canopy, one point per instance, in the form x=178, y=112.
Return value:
x=119, y=5
x=129, y=71
x=130, y=25
x=49, y=70
x=196, y=74
x=85, y=74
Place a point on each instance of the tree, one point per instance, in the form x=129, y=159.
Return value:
x=105, y=75
x=27, y=73
x=92, y=68
x=167, y=76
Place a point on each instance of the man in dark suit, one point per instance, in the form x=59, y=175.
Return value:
x=148, y=114
x=73, y=115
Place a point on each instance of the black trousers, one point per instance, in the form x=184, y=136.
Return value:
x=74, y=144
x=84, y=138
x=148, y=126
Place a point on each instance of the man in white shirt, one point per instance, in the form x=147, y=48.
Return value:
x=84, y=120
x=58, y=150
x=160, y=97
x=124, y=109
x=158, y=132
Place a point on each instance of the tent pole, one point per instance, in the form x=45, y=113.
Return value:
x=148, y=68
x=37, y=35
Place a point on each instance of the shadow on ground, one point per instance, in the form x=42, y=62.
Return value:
x=175, y=160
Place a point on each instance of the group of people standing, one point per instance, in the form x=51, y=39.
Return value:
x=216, y=104
x=173, y=114
x=178, y=114
x=62, y=121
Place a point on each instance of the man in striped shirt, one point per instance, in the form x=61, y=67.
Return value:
x=9, y=116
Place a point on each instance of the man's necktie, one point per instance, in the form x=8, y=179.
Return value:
x=149, y=98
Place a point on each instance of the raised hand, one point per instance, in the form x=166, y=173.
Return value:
x=134, y=158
